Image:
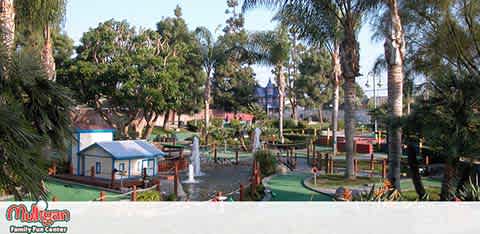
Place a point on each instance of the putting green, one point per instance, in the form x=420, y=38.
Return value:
x=289, y=188
x=75, y=192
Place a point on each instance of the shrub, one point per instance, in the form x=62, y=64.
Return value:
x=341, y=124
x=287, y=123
x=171, y=197
x=149, y=196
x=470, y=191
x=297, y=138
x=267, y=161
x=385, y=193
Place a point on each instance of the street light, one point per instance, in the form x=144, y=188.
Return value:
x=371, y=74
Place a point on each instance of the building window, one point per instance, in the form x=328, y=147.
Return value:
x=121, y=167
x=98, y=168
x=139, y=166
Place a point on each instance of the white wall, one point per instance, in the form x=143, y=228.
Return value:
x=105, y=166
x=86, y=139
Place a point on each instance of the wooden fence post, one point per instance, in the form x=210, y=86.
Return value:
x=236, y=156
x=354, y=166
x=327, y=164
x=133, y=195
x=253, y=187
x=175, y=183
x=319, y=162
x=384, y=168
x=54, y=167
x=215, y=153
x=308, y=151
x=241, y=192
x=372, y=167
x=112, y=179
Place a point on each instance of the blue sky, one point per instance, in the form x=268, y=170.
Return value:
x=85, y=14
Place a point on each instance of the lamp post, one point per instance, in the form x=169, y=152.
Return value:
x=371, y=74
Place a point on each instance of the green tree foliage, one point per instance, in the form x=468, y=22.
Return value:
x=135, y=76
x=34, y=112
x=446, y=117
x=313, y=88
x=233, y=81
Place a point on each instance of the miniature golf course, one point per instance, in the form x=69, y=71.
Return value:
x=289, y=188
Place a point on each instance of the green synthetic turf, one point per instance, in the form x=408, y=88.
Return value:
x=289, y=188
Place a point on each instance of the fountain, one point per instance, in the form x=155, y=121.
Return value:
x=196, y=157
x=191, y=179
x=256, y=140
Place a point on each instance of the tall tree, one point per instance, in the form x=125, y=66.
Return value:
x=447, y=36
x=323, y=33
x=394, y=55
x=272, y=49
x=314, y=86
x=233, y=81
x=211, y=55
x=349, y=16
x=41, y=18
x=7, y=30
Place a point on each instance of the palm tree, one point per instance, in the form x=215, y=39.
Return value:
x=316, y=33
x=40, y=18
x=272, y=49
x=394, y=55
x=210, y=56
x=349, y=14
x=33, y=112
x=7, y=28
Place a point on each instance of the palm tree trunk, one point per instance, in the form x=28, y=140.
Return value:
x=350, y=61
x=414, y=172
x=448, y=188
x=207, y=94
x=336, y=95
x=47, y=54
x=281, y=95
x=349, y=108
x=7, y=30
x=394, y=55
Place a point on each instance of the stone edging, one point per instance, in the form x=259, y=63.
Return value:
x=328, y=192
x=331, y=192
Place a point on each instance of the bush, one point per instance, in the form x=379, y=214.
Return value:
x=297, y=137
x=149, y=196
x=341, y=124
x=267, y=162
x=287, y=123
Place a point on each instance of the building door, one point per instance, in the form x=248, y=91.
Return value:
x=149, y=165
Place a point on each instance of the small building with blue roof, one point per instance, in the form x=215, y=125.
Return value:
x=127, y=158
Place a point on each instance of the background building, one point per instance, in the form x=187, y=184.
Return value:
x=267, y=97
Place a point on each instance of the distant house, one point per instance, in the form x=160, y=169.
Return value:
x=267, y=96
x=128, y=158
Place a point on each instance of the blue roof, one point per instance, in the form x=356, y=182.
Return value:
x=128, y=149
